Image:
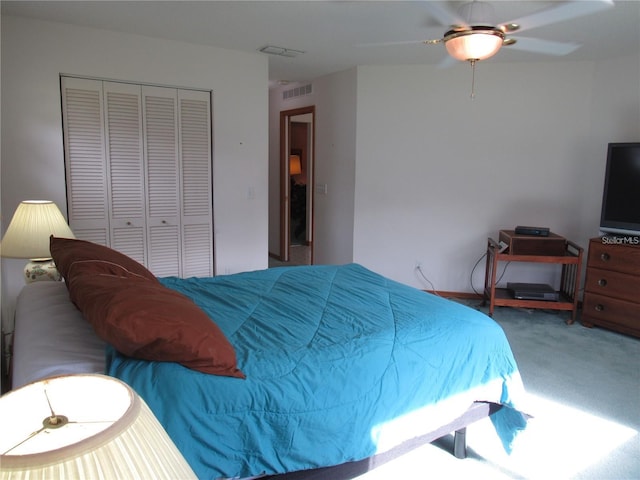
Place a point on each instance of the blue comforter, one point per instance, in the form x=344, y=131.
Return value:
x=331, y=353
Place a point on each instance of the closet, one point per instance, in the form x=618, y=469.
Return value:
x=138, y=172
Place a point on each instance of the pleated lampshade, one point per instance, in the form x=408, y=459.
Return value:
x=33, y=222
x=84, y=427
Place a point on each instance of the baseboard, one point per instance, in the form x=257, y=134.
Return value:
x=461, y=295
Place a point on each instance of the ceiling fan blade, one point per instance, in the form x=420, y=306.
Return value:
x=447, y=62
x=443, y=15
x=560, y=13
x=547, y=47
x=391, y=44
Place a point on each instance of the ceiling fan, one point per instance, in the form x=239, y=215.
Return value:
x=473, y=36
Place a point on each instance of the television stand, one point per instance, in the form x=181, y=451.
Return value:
x=570, y=260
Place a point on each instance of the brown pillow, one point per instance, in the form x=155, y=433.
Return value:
x=146, y=320
x=76, y=257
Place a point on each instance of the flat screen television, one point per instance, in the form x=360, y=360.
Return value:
x=621, y=198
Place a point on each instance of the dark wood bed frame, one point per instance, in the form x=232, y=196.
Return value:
x=347, y=471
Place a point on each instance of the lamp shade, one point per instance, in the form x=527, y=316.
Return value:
x=33, y=222
x=477, y=43
x=84, y=426
x=295, y=168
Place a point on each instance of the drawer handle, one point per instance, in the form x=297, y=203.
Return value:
x=602, y=282
x=129, y=224
x=599, y=307
x=605, y=257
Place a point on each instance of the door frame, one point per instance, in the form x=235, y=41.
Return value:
x=285, y=205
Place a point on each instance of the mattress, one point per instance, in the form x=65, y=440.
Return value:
x=51, y=336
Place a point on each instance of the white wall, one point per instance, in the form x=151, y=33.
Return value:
x=335, y=167
x=34, y=53
x=437, y=172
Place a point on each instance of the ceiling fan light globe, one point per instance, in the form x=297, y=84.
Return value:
x=474, y=44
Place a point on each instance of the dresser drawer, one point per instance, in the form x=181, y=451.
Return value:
x=613, y=284
x=611, y=312
x=621, y=258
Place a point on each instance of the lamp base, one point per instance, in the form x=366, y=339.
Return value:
x=39, y=270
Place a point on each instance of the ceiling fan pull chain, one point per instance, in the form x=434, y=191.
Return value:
x=473, y=79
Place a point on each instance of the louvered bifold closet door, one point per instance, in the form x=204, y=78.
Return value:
x=197, y=202
x=123, y=134
x=85, y=159
x=138, y=167
x=163, y=180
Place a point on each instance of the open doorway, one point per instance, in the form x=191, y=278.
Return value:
x=296, y=185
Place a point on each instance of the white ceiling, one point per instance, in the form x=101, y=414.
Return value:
x=332, y=33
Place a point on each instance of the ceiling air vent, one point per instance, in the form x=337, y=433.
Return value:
x=280, y=51
x=297, y=92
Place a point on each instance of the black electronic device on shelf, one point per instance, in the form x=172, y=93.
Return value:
x=534, y=231
x=533, y=291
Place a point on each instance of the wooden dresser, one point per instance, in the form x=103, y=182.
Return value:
x=612, y=286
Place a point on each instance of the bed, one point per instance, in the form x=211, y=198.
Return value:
x=336, y=365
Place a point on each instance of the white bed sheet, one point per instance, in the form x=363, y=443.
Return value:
x=51, y=336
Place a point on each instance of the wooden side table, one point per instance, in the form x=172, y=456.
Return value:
x=571, y=262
